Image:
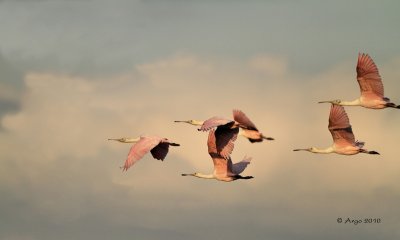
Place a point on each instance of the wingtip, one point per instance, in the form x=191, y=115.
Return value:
x=269, y=138
x=374, y=152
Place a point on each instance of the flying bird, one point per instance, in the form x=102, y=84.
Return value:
x=227, y=131
x=371, y=86
x=224, y=170
x=247, y=128
x=342, y=134
x=157, y=146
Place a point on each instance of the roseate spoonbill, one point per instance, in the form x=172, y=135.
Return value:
x=342, y=134
x=157, y=146
x=247, y=127
x=224, y=170
x=371, y=86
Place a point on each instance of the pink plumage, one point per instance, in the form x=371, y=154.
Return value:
x=156, y=145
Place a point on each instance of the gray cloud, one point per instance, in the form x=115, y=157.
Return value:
x=97, y=37
x=66, y=182
x=76, y=73
x=11, y=86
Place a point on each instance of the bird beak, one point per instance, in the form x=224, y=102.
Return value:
x=325, y=102
x=116, y=139
x=187, y=174
x=181, y=121
x=300, y=149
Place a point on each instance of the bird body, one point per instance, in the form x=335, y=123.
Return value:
x=371, y=87
x=157, y=146
x=224, y=170
x=343, y=138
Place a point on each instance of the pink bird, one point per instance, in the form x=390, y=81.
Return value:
x=228, y=130
x=342, y=134
x=226, y=133
x=371, y=87
x=224, y=170
x=157, y=146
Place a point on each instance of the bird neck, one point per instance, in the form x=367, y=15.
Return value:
x=355, y=102
x=319, y=150
x=206, y=176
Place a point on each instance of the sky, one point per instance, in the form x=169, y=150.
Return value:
x=75, y=73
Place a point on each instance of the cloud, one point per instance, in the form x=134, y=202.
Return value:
x=10, y=86
x=60, y=172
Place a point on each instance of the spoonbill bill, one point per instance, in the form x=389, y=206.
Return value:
x=342, y=134
x=157, y=146
x=224, y=170
x=371, y=86
x=240, y=120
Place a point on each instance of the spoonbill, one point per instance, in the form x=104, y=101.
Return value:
x=157, y=146
x=224, y=170
x=342, y=134
x=247, y=127
x=371, y=87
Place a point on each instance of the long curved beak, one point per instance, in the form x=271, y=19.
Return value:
x=300, y=149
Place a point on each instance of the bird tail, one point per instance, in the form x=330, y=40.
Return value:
x=243, y=177
x=373, y=152
x=392, y=105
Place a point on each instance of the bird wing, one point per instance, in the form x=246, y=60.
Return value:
x=243, y=120
x=239, y=167
x=215, y=122
x=221, y=141
x=368, y=77
x=138, y=150
x=339, y=126
x=343, y=137
x=338, y=117
x=160, y=151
